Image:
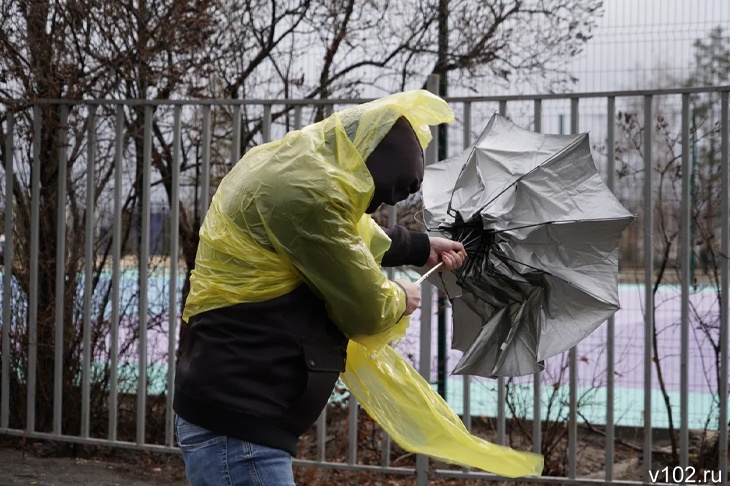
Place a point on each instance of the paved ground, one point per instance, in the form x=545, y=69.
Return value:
x=19, y=467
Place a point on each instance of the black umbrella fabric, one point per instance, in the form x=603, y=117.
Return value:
x=541, y=230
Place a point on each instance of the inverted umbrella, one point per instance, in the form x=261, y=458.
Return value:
x=541, y=231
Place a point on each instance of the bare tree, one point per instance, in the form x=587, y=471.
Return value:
x=44, y=57
x=76, y=51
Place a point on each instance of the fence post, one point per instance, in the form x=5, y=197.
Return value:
x=144, y=261
x=174, y=256
x=648, y=282
x=7, y=276
x=685, y=266
x=725, y=283
x=88, y=272
x=610, y=325
x=116, y=270
x=35, y=211
x=573, y=355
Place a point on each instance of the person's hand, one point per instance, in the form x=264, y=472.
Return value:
x=450, y=252
x=413, y=295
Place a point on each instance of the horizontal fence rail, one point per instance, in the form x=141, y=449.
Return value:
x=102, y=201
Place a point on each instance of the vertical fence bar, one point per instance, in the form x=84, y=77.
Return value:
x=321, y=435
x=648, y=279
x=537, y=115
x=62, y=140
x=35, y=216
x=466, y=136
x=266, y=124
x=298, y=117
x=725, y=293
x=536, y=388
x=236, y=135
x=466, y=417
x=205, y=172
x=610, y=325
x=385, y=450
x=352, y=431
x=88, y=271
x=7, y=271
x=501, y=387
x=684, y=265
x=573, y=353
x=424, y=360
x=116, y=270
x=174, y=258
x=144, y=256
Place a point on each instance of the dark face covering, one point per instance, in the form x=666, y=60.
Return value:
x=396, y=166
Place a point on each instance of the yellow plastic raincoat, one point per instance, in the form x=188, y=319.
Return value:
x=256, y=245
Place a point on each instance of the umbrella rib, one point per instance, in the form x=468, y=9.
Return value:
x=560, y=221
x=471, y=241
x=423, y=221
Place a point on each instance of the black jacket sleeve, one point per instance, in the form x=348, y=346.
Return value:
x=406, y=248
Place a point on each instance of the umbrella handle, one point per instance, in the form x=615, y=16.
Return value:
x=425, y=275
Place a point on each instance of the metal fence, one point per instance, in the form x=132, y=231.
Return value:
x=91, y=303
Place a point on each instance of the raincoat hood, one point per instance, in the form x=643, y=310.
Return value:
x=396, y=166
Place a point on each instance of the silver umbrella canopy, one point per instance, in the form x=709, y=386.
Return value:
x=541, y=230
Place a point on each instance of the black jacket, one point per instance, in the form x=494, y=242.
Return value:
x=263, y=371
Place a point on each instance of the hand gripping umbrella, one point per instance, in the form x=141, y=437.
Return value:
x=541, y=231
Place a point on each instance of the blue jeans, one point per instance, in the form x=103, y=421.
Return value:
x=212, y=459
